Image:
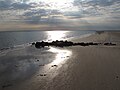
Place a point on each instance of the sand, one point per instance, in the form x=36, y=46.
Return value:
x=86, y=68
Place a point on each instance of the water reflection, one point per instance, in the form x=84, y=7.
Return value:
x=56, y=35
x=61, y=55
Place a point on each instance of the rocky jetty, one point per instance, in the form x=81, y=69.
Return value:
x=67, y=43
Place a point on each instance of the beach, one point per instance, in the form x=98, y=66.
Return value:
x=69, y=68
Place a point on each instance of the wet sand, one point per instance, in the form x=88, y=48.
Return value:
x=87, y=68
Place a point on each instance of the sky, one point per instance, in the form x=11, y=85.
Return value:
x=18, y=15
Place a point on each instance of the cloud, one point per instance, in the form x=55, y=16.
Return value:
x=35, y=12
x=77, y=14
x=95, y=7
x=40, y=16
x=4, y=4
x=21, y=6
x=11, y=4
x=33, y=20
x=95, y=2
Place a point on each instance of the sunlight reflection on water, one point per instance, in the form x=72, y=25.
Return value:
x=56, y=35
x=61, y=55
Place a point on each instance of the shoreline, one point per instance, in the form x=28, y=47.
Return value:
x=84, y=38
x=77, y=67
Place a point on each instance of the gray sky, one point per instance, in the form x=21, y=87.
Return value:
x=59, y=15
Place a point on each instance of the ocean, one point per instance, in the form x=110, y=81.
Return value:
x=16, y=38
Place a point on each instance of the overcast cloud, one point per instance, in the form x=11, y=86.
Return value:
x=53, y=14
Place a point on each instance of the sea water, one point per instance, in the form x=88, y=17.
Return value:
x=15, y=38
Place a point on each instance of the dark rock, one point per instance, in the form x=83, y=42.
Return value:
x=33, y=43
x=117, y=77
x=64, y=44
x=42, y=75
x=37, y=60
x=6, y=85
x=45, y=74
x=109, y=44
x=54, y=66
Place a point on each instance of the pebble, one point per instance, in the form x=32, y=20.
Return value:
x=117, y=77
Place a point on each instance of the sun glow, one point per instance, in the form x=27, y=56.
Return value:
x=56, y=4
x=60, y=4
x=56, y=1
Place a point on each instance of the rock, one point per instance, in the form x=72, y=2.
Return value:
x=45, y=74
x=54, y=66
x=109, y=44
x=33, y=43
x=117, y=77
x=42, y=75
x=65, y=44
x=37, y=60
x=6, y=85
